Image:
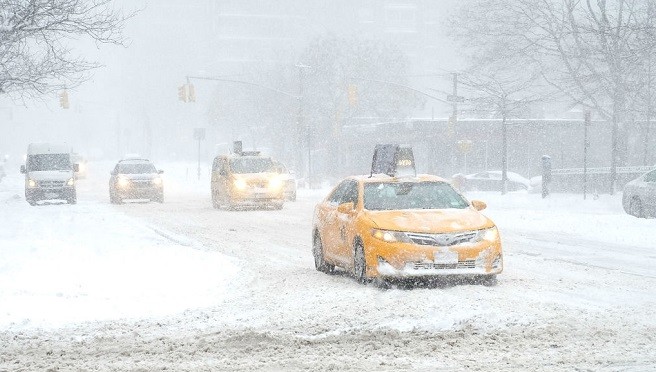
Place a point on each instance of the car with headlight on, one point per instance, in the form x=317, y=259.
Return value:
x=639, y=196
x=388, y=227
x=246, y=179
x=135, y=179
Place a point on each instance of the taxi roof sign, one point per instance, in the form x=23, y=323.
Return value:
x=393, y=160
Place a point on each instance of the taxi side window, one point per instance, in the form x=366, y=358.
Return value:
x=337, y=196
x=350, y=194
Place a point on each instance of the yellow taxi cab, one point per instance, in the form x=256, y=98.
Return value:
x=388, y=226
x=246, y=179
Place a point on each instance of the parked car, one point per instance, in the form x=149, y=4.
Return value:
x=491, y=181
x=639, y=196
x=135, y=179
x=289, y=188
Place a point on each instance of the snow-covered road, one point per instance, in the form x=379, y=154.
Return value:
x=183, y=286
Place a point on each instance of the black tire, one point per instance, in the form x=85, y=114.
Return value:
x=215, y=202
x=359, y=263
x=159, y=198
x=293, y=197
x=72, y=200
x=278, y=206
x=31, y=202
x=488, y=280
x=319, y=260
x=635, y=208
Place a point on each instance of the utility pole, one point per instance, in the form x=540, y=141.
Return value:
x=648, y=123
x=585, y=154
x=303, y=125
x=454, y=114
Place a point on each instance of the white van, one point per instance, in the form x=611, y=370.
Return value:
x=49, y=173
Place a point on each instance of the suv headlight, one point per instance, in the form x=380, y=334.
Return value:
x=70, y=182
x=123, y=181
x=31, y=183
x=157, y=181
x=490, y=235
x=390, y=236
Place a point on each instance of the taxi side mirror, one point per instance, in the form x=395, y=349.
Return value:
x=160, y=171
x=23, y=170
x=478, y=205
x=345, y=207
x=76, y=167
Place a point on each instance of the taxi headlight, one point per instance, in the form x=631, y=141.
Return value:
x=31, y=183
x=390, y=236
x=123, y=182
x=157, y=181
x=275, y=183
x=70, y=182
x=240, y=184
x=490, y=235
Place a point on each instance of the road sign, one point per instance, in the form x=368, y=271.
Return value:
x=199, y=133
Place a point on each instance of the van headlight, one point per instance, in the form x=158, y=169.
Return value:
x=70, y=182
x=240, y=184
x=31, y=183
x=390, y=236
x=275, y=183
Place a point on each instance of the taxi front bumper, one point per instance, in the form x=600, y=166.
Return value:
x=406, y=260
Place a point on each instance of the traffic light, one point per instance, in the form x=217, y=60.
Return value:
x=182, y=93
x=353, y=94
x=191, y=92
x=63, y=99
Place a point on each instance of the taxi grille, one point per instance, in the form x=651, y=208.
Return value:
x=466, y=264
x=443, y=240
x=52, y=184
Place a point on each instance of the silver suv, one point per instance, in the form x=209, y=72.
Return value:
x=135, y=179
x=639, y=198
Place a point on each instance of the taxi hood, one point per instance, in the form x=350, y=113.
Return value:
x=430, y=221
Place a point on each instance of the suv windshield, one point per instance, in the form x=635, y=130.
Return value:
x=411, y=195
x=136, y=168
x=251, y=165
x=46, y=162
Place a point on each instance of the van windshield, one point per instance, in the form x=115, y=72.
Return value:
x=48, y=162
x=251, y=165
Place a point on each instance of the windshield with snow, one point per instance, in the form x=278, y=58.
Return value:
x=252, y=165
x=49, y=162
x=136, y=168
x=411, y=195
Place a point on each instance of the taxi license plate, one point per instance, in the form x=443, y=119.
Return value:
x=447, y=257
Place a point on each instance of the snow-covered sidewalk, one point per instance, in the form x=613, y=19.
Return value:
x=73, y=263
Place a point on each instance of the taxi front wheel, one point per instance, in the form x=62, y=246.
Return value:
x=319, y=261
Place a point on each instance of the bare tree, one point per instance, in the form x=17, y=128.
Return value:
x=36, y=38
x=590, y=51
x=504, y=93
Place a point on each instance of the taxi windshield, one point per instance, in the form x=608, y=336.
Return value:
x=411, y=195
x=251, y=165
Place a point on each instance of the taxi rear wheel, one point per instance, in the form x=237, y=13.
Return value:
x=359, y=263
x=319, y=260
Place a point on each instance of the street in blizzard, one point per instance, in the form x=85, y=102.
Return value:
x=391, y=185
